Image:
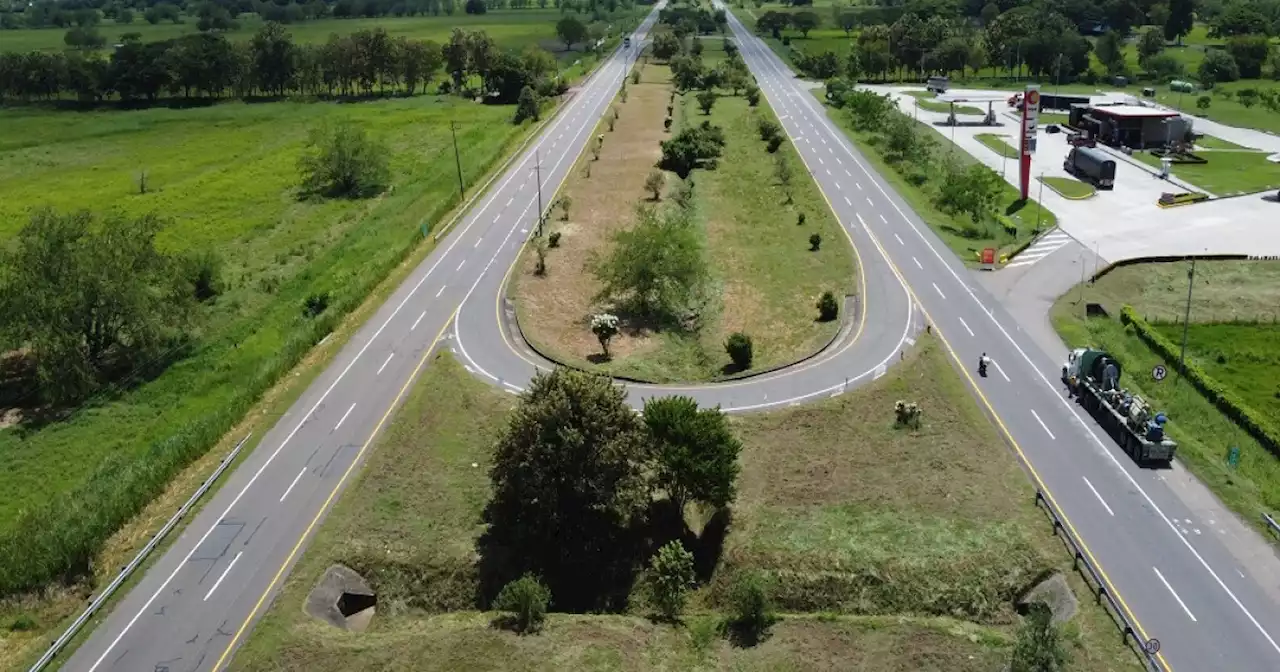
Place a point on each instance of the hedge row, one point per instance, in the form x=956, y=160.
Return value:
x=57, y=542
x=1222, y=397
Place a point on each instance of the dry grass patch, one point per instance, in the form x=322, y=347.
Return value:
x=555, y=309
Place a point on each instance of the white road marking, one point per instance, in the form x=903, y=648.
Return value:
x=237, y=559
x=828, y=170
x=839, y=186
x=846, y=200
x=439, y=292
x=295, y=482
x=939, y=291
x=841, y=163
x=1042, y=425
x=847, y=173
x=477, y=244
x=883, y=219
x=1174, y=593
x=902, y=243
x=424, y=314
x=962, y=322
x=344, y=417
x=385, y=363
x=917, y=263
x=1095, y=494
x=820, y=162
x=870, y=203
x=858, y=185
x=460, y=263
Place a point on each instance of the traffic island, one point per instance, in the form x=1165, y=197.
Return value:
x=1068, y=188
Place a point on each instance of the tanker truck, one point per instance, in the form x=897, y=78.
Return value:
x=1093, y=377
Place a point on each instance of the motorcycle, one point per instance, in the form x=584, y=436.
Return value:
x=982, y=365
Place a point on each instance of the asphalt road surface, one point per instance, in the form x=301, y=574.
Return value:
x=199, y=600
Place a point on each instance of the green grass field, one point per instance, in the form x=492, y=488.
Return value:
x=817, y=498
x=998, y=144
x=925, y=100
x=1227, y=172
x=1069, y=188
x=1243, y=291
x=514, y=29
x=225, y=176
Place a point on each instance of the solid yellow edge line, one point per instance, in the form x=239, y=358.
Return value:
x=1110, y=587
x=862, y=287
x=332, y=494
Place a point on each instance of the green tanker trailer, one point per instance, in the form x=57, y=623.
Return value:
x=1093, y=376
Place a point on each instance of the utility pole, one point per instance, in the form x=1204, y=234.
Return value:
x=537, y=169
x=457, y=158
x=1186, y=319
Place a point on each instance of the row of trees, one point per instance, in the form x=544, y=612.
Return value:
x=48, y=13
x=211, y=66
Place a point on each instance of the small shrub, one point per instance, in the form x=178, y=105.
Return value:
x=1039, y=646
x=769, y=129
x=22, y=623
x=204, y=271
x=774, y=144
x=622, y=95
x=750, y=613
x=605, y=327
x=671, y=575
x=828, y=307
x=753, y=96
x=315, y=304
x=654, y=183
x=800, y=222
x=706, y=100
x=554, y=239
x=565, y=203
x=525, y=600
x=611, y=122
x=540, y=249
x=1203, y=102
x=635, y=76
x=906, y=414
x=815, y=241
x=739, y=347
x=666, y=124
x=671, y=110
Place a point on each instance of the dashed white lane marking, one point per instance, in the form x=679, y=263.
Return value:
x=821, y=162
x=1174, y=593
x=344, y=417
x=385, y=363
x=846, y=200
x=439, y=292
x=1042, y=425
x=236, y=559
x=841, y=163
x=460, y=263
x=1101, y=501
x=963, y=323
x=295, y=482
x=939, y=291
x=477, y=243
x=847, y=173
x=424, y=314
x=509, y=201
x=883, y=219
x=917, y=263
x=839, y=186
x=828, y=170
x=1002, y=373
x=902, y=243
x=870, y=203
x=858, y=185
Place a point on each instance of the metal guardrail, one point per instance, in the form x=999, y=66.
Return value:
x=1271, y=522
x=1148, y=648
x=136, y=562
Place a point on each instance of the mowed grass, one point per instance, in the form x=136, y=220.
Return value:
x=410, y=518
x=1069, y=187
x=767, y=281
x=1227, y=171
x=225, y=176
x=998, y=144
x=925, y=100
x=1224, y=291
x=514, y=29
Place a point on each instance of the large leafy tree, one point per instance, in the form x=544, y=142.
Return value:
x=657, y=267
x=568, y=482
x=571, y=30
x=696, y=453
x=691, y=148
x=92, y=301
x=274, y=58
x=343, y=161
x=1181, y=19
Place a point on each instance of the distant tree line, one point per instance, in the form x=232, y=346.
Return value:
x=208, y=65
x=221, y=14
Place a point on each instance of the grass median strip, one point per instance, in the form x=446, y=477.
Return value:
x=1069, y=188
x=926, y=101
x=816, y=511
x=997, y=144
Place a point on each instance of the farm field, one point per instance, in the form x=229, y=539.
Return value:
x=767, y=279
x=1232, y=338
x=512, y=29
x=813, y=494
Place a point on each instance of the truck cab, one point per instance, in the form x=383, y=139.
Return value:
x=938, y=84
x=626, y=42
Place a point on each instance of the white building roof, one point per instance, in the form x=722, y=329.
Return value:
x=1133, y=111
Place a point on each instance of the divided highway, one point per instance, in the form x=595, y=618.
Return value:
x=199, y=600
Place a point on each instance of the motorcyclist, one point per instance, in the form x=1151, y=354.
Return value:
x=982, y=364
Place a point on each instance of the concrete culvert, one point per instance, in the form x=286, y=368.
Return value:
x=1055, y=593
x=343, y=599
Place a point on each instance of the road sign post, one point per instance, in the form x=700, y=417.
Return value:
x=1030, y=118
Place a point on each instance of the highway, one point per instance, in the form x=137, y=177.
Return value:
x=199, y=600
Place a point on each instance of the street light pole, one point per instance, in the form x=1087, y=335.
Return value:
x=457, y=159
x=537, y=169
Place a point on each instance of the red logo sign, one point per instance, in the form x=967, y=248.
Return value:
x=988, y=255
x=1033, y=98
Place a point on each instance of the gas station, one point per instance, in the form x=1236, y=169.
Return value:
x=974, y=98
